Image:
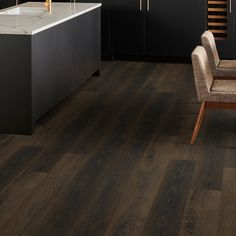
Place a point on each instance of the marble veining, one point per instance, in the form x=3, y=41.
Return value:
x=29, y=24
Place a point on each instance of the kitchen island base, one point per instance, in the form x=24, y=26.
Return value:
x=40, y=70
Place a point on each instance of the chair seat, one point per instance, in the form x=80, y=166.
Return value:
x=224, y=86
x=227, y=64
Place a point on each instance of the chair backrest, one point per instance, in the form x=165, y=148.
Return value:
x=202, y=73
x=208, y=42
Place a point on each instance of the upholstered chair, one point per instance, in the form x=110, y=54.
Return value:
x=220, y=68
x=212, y=93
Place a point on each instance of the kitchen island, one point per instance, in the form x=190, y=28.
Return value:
x=44, y=57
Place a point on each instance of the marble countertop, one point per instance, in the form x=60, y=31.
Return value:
x=29, y=24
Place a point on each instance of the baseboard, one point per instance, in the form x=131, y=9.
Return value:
x=184, y=60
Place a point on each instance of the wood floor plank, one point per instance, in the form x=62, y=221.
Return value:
x=212, y=172
x=16, y=164
x=227, y=219
x=129, y=129
x=145, y=178
x=229, y=158
x=168, y=207
x=167, y=74
x=6, y=152
x=210, y=163
x=114, y=104
x=16, y=193
x=34, y=206
x=72, y=203
x=202, y=213
x=100, y=226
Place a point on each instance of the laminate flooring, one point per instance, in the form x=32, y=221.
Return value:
x=114, y=159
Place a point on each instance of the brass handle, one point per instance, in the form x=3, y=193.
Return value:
x=140, y=5
x=148, y=5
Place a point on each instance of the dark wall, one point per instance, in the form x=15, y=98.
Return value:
x=7, y=3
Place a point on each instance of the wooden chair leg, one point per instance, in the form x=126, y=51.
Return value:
x=198, y=122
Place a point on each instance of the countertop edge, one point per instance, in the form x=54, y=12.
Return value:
x=64, y=19
x=48, y=25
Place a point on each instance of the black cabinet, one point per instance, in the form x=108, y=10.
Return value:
x=46, y=70
x=7, y=3
x=163, y=28
x=105, y=26
x=128, y=28
x=173, y=28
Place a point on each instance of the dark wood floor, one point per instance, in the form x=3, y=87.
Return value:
x=114, y=159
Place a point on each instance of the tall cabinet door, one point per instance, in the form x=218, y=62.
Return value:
x=105, y=26
x=128, y=25
x=173, y=28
